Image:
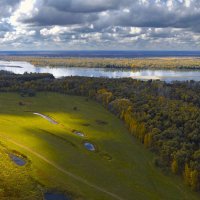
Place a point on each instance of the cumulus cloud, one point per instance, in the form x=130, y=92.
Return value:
x=100, y=24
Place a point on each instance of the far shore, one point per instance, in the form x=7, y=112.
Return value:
x=180, y=63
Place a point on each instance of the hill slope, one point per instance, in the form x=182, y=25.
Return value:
x=120, y=168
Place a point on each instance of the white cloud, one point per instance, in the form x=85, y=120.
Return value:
x=56, y=30
x=26, y=9
x=135, y=30
x=187, y=3
x=126, y=10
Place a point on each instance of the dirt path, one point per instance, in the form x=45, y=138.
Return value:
x=78, y=178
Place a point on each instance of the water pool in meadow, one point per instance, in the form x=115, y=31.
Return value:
x=89, y=146
x=46, y=117
x=79, y=133
x=53, y=196
x=17, y=160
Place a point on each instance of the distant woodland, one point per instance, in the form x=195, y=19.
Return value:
x=147, y=63
x=164, y=117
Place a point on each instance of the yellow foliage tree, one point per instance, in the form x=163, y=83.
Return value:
x=187, y=175
x=148, y=140
x=104, y=96
x=174, y=166
x=194, y=182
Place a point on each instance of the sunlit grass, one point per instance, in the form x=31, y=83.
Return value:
x=129, y=173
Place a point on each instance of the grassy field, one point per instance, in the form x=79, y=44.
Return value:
x=121, y=168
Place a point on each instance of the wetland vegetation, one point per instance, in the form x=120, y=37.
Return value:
x=133, y=63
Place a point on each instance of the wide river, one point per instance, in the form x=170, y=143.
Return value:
x=165, y=75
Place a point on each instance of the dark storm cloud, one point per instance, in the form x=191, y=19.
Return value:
x=153, y=15
x=86, y=6
x=65, y=12
x=48, y=16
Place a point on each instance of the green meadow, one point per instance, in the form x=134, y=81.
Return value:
x=57, y=160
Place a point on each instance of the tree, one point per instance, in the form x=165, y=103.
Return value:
x=174, y=166
x=194, y=182
x=104, y=96
x=187, y=176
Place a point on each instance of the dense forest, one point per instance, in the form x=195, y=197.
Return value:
x=139, y=63
x=165, y=117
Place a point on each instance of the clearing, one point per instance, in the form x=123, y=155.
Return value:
x=120, y=168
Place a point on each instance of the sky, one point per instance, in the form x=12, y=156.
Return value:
x=99, y=25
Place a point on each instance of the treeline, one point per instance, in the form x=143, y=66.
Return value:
x=165, y=117
x=147, y=63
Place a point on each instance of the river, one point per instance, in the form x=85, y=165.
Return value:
x=144, y=74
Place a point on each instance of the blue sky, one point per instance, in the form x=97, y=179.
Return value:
x=100, y=24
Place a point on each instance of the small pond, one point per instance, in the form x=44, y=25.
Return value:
x=17, y=160
x=89, y=146
x=53, y=196
x=46, y=117
x=78, y=133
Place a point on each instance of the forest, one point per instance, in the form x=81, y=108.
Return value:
x=165, y=117
x=137, y=63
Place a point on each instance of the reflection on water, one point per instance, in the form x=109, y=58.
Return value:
x=166, y=75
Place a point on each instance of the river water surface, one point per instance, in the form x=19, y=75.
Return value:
x=144, y=74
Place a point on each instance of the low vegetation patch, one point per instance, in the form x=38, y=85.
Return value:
x=101, y=122
x=136, y=63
